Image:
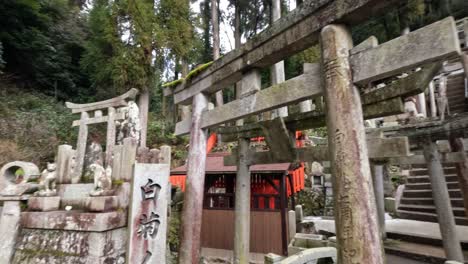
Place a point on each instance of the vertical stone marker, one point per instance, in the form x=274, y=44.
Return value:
x=147, y=218
x=355, y=210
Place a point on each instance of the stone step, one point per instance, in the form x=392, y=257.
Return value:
x=424, y=166
x=457, y=211
x=428, y=217
x=424, y=171
x=425, y=178
x=427, y=185
x=454, y=193
x=420, y=252
x=456, y=202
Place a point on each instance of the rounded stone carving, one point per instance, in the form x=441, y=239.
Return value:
x=9, y=176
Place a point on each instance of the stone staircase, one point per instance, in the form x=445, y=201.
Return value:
x=416, y=202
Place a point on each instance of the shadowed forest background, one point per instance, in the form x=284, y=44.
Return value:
x=52, y=51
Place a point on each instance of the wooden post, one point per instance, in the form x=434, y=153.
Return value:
x=80, y=148
x=283, y=206
x=193, y=201
x=378, y=183
x=291, y=183
x=442, y=202
x=110, y=140
x=457, y=145
x=355, y=210
x=242, y=206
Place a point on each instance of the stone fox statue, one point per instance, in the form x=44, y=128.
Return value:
x=102, y=180
x=48, y=180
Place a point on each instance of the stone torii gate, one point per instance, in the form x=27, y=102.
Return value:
x=98, y=117
x=343, y=68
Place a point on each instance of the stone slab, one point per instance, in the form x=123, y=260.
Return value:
x=430, y=43
x=74, y=220
x=102, y=203
x=74, y=195
x=44, y=204
x=147, y=216
x=58, y=246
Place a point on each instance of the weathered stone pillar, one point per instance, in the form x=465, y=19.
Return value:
x=378, y=182
x=9, y=229
x=457, y=145
x=129, y=151
x=80, y=148
x=277, y=70
x=193, y=201
x=110, y=138
x=442, y=202
x=299, y=218
x=291, y=224
x=355, y=210
x=242, y=206
x=64, y=154
x=251, y=83
x=432, y=101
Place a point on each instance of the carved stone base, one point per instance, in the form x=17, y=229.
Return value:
x=97, y=193
x=102, y=203
x=44, y=204
x=46, y=193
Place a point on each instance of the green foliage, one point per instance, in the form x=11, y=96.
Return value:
x=42, y=43
x=35, y=124
x=2, y=62
x=312, y=200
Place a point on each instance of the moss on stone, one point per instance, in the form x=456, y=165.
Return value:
x=54, y=253
x=192, y=74
x=117, y=182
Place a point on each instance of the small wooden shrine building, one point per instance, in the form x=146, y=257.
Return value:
x=272, y=189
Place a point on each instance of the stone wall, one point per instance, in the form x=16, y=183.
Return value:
x=59, y=246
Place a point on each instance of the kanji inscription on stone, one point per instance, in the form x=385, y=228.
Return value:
x=148, y=214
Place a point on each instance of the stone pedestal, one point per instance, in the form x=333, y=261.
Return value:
x=102, y=203
x=9, y=227
x=44, y=204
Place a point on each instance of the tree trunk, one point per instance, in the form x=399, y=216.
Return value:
x=277, y=70
x=143, y=104
x=356, y=218
x=216, y=43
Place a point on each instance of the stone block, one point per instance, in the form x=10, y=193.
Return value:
x=128, y=157
x=147, y=217
x=74, y=195
x=44, y=204
x=102, y=203
x=74, y=220
x=59, y=246
x=271, y=258
x=123, y=192
x=390, y=205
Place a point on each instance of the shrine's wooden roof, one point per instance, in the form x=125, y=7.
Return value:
x=215, y=165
